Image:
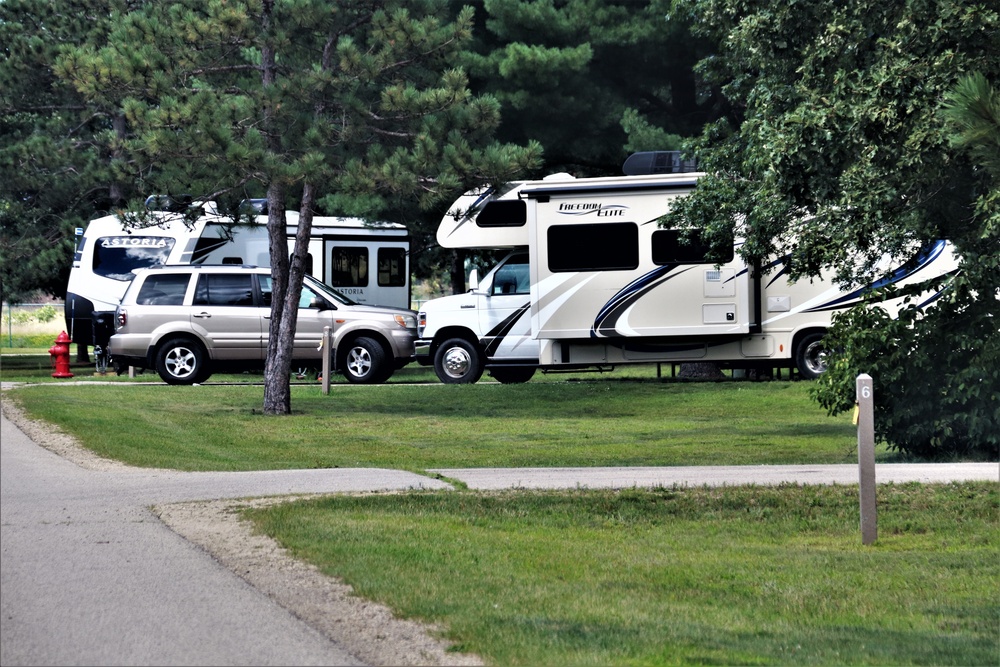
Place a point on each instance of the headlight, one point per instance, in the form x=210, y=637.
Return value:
x=406, y=321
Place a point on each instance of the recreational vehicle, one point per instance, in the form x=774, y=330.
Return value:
x=367, y=263
x=593, y=281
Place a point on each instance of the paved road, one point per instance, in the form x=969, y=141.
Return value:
x=90, y=576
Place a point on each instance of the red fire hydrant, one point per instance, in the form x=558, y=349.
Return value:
x=60, y=356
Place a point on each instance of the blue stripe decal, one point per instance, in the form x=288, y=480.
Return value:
x=923, y=258
x=607, y=318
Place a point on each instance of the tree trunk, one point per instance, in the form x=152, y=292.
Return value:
x=277, y=368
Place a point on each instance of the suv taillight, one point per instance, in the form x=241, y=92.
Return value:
x=121, y=317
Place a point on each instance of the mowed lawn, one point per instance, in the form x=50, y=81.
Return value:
x=421, y=426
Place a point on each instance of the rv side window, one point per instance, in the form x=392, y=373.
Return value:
x=503, y=213
x=603, y=247
x=673, y=246
x=165, y=290
x=220, y=289
x=349, y=267
x=391, y=267
x=116, y=256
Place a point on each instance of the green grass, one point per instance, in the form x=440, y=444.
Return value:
x=743, y=575
x=415, y=426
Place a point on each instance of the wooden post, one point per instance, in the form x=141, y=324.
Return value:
x=326, y=343
x=866, y=459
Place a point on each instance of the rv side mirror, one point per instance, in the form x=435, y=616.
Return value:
x=473, y=280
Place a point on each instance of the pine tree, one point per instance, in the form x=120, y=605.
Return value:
x=349, y=108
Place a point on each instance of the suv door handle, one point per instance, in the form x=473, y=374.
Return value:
x=200, y=315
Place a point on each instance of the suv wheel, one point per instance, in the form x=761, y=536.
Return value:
x=181, y=361
x=365, y=362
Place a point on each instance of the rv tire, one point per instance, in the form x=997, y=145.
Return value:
x=811, y=356
x=512, y=374
x=457, y=361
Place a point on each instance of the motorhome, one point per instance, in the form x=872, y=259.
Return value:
x=368, y=263
x=593, y=281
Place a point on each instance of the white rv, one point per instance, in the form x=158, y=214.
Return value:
x=367, y=263
x=593, y=281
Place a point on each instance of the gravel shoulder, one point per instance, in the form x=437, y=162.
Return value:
x=368, y=630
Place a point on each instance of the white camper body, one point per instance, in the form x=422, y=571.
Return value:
x=368, y=263
x=593, y=281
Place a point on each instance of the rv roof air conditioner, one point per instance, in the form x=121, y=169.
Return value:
x=169, y=203
x=658, y=162
x=258, y=206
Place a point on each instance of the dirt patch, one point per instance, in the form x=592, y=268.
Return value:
x=365, y=629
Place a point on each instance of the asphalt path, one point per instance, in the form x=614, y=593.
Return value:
x=89, y=576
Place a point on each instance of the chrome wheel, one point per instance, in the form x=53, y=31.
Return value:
x=457, y=361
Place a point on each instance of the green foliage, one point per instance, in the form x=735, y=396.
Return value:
x=54, y=158
x=852, y=137
x=580, y=76
x=935, y=376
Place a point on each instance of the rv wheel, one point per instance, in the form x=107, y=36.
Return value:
x=811, y=356
x=512, y=374
x=457, y=361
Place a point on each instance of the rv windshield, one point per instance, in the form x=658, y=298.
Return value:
x=328, y=291
x=116, y=256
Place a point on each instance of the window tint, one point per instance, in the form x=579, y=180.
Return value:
x=349, y=267
x=221, y=289
x=307, y=297
x=602, y=247
x=391, y=267
x=512, y=277
x=116, y=256
x=165, y=290
x=503, y=213
x=265, y=289
x=673, y=246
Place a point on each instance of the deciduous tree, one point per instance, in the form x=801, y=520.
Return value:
x=837, y=151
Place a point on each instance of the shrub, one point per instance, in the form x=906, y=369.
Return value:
x=937, y=394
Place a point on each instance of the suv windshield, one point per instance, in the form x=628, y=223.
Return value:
x=327, y=291
x=310, y=287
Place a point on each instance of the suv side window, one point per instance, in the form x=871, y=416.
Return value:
x=224, y=289
x=163, y=290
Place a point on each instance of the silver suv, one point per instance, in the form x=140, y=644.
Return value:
x=189, y=321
